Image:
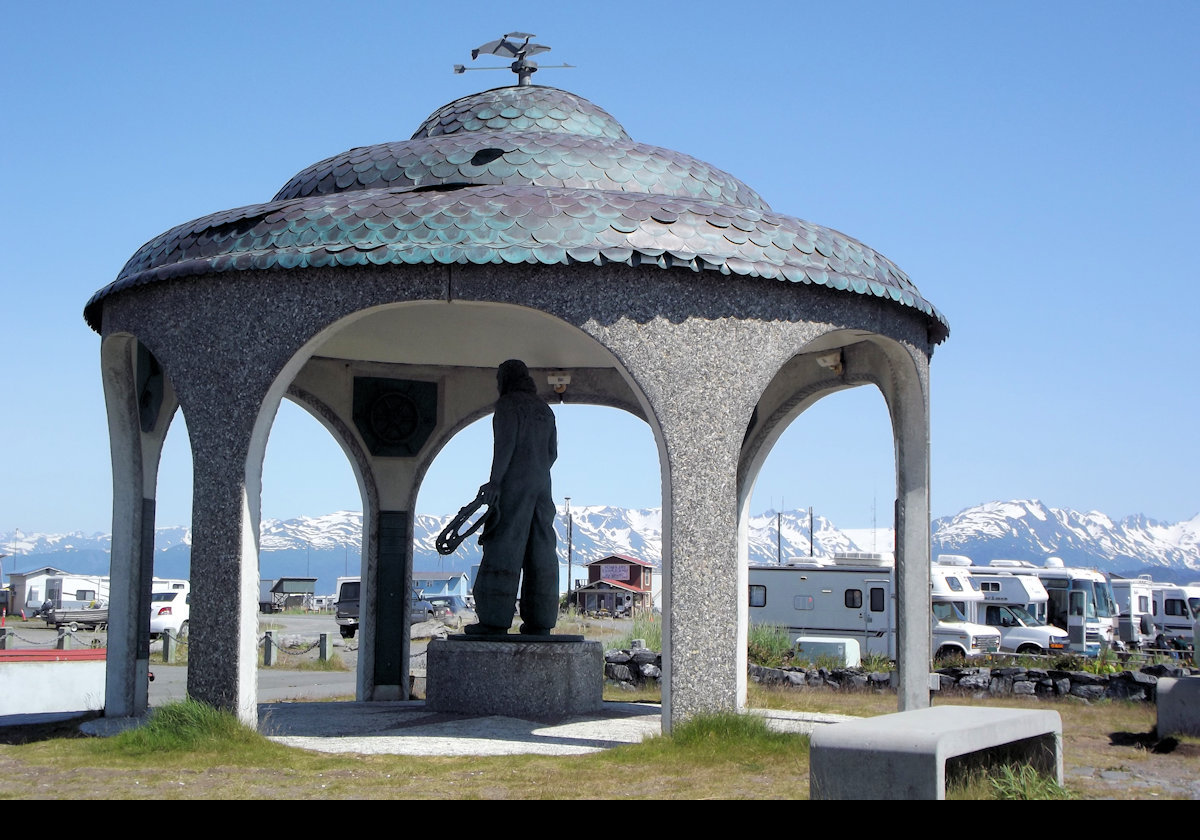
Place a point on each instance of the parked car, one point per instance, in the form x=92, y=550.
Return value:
x=422, y=609
x=346, y=615
x=346, y=607
x=169, y=611
x=452, y=609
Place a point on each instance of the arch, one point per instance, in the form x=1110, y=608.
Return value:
x=320, y=376
x=831, y=362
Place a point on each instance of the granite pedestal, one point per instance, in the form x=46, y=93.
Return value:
x=1177, y=701
x=542, y=678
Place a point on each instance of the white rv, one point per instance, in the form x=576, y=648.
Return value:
x=1081, y=601
x=1013, y=604
x=853, y=596
x=1176, y=607
x=1135, y=600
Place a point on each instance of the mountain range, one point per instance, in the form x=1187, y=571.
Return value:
x=326, y=547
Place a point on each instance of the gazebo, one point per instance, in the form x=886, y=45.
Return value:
x=380, y=288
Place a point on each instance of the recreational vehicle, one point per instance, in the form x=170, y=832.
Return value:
x=1081, y=601
x=1013, y=604
x=852, y=596
x=1135, y=600
x=1175, y=607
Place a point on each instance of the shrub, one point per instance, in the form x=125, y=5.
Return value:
x=769, y=645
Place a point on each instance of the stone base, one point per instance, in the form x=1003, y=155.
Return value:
x=545, y=679
x=1178, y=706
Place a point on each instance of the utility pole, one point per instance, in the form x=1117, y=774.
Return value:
x=570, y=536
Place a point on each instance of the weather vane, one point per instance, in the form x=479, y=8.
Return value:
x=514, y=49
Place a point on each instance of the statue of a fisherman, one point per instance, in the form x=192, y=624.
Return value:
x=519, y=532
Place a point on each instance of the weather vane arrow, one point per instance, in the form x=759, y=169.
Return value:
x=512, y=46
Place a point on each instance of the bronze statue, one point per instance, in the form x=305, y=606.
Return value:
x=518, y=535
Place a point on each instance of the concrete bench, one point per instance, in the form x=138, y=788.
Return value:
x=904, y=755
x=1177, y=702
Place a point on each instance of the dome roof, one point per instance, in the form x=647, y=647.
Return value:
x=522, y=108
x=523, y=174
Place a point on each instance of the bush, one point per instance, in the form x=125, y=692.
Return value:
x=769, y=645
x=646, y=625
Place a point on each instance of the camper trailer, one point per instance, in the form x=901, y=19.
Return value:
x=852, y=596
x=1013, y=604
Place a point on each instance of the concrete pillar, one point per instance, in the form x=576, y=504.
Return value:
x=227, y=454
x=140, y=404
x=907, y=397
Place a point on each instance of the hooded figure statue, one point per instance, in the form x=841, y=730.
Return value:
x=519, y=534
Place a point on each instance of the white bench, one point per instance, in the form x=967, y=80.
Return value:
x=903, y=755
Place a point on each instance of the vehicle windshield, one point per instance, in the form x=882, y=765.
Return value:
x=1027, y=618
x=1194, y=603
x=1086, y=589
x=1106, y=605
x=163, y=596
x=946, y=611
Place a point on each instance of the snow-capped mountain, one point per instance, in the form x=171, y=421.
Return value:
x=1030, y=530
x=329, y=546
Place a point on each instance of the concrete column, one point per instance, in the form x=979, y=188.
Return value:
x=908, y=402
x=227, y=455
x=701, y=400
x=140, y=404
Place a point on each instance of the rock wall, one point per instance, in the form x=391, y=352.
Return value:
x=634, y=668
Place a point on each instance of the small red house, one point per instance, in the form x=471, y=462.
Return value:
x=617, y=584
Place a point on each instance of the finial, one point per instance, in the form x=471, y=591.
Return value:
x=512, y=46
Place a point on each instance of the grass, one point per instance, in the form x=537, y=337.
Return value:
x=646, y=626
x=187, y=726
x=188, y=751
x=769, y=646
x=1024, y=782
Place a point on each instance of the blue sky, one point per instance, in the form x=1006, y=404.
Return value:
x=1031, y=165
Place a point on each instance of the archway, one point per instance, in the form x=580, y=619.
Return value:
x=833, y=362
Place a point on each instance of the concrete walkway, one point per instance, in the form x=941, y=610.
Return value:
x=408, y=728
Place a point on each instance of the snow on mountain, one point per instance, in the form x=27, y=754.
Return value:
x=330, y=545
x=1028, y=530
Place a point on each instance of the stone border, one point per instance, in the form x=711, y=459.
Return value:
x=634, y=669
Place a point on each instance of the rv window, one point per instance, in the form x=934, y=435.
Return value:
x=85, y=594
x=802, y=602
x=990, y=586
x=853, y=598
x=1175, y=606
x=954, y=583
x=1195, y=604
x=1143, y=604
x=758, y=595
x=877, y=599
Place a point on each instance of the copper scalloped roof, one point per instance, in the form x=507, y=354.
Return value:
x=519, y=175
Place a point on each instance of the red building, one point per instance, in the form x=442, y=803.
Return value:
x=617, y=585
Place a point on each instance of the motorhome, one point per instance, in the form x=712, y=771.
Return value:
x=1080, y=601
x=1013, y=604
x=1135, y=600
x=1176, y=607
x=853, y=596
